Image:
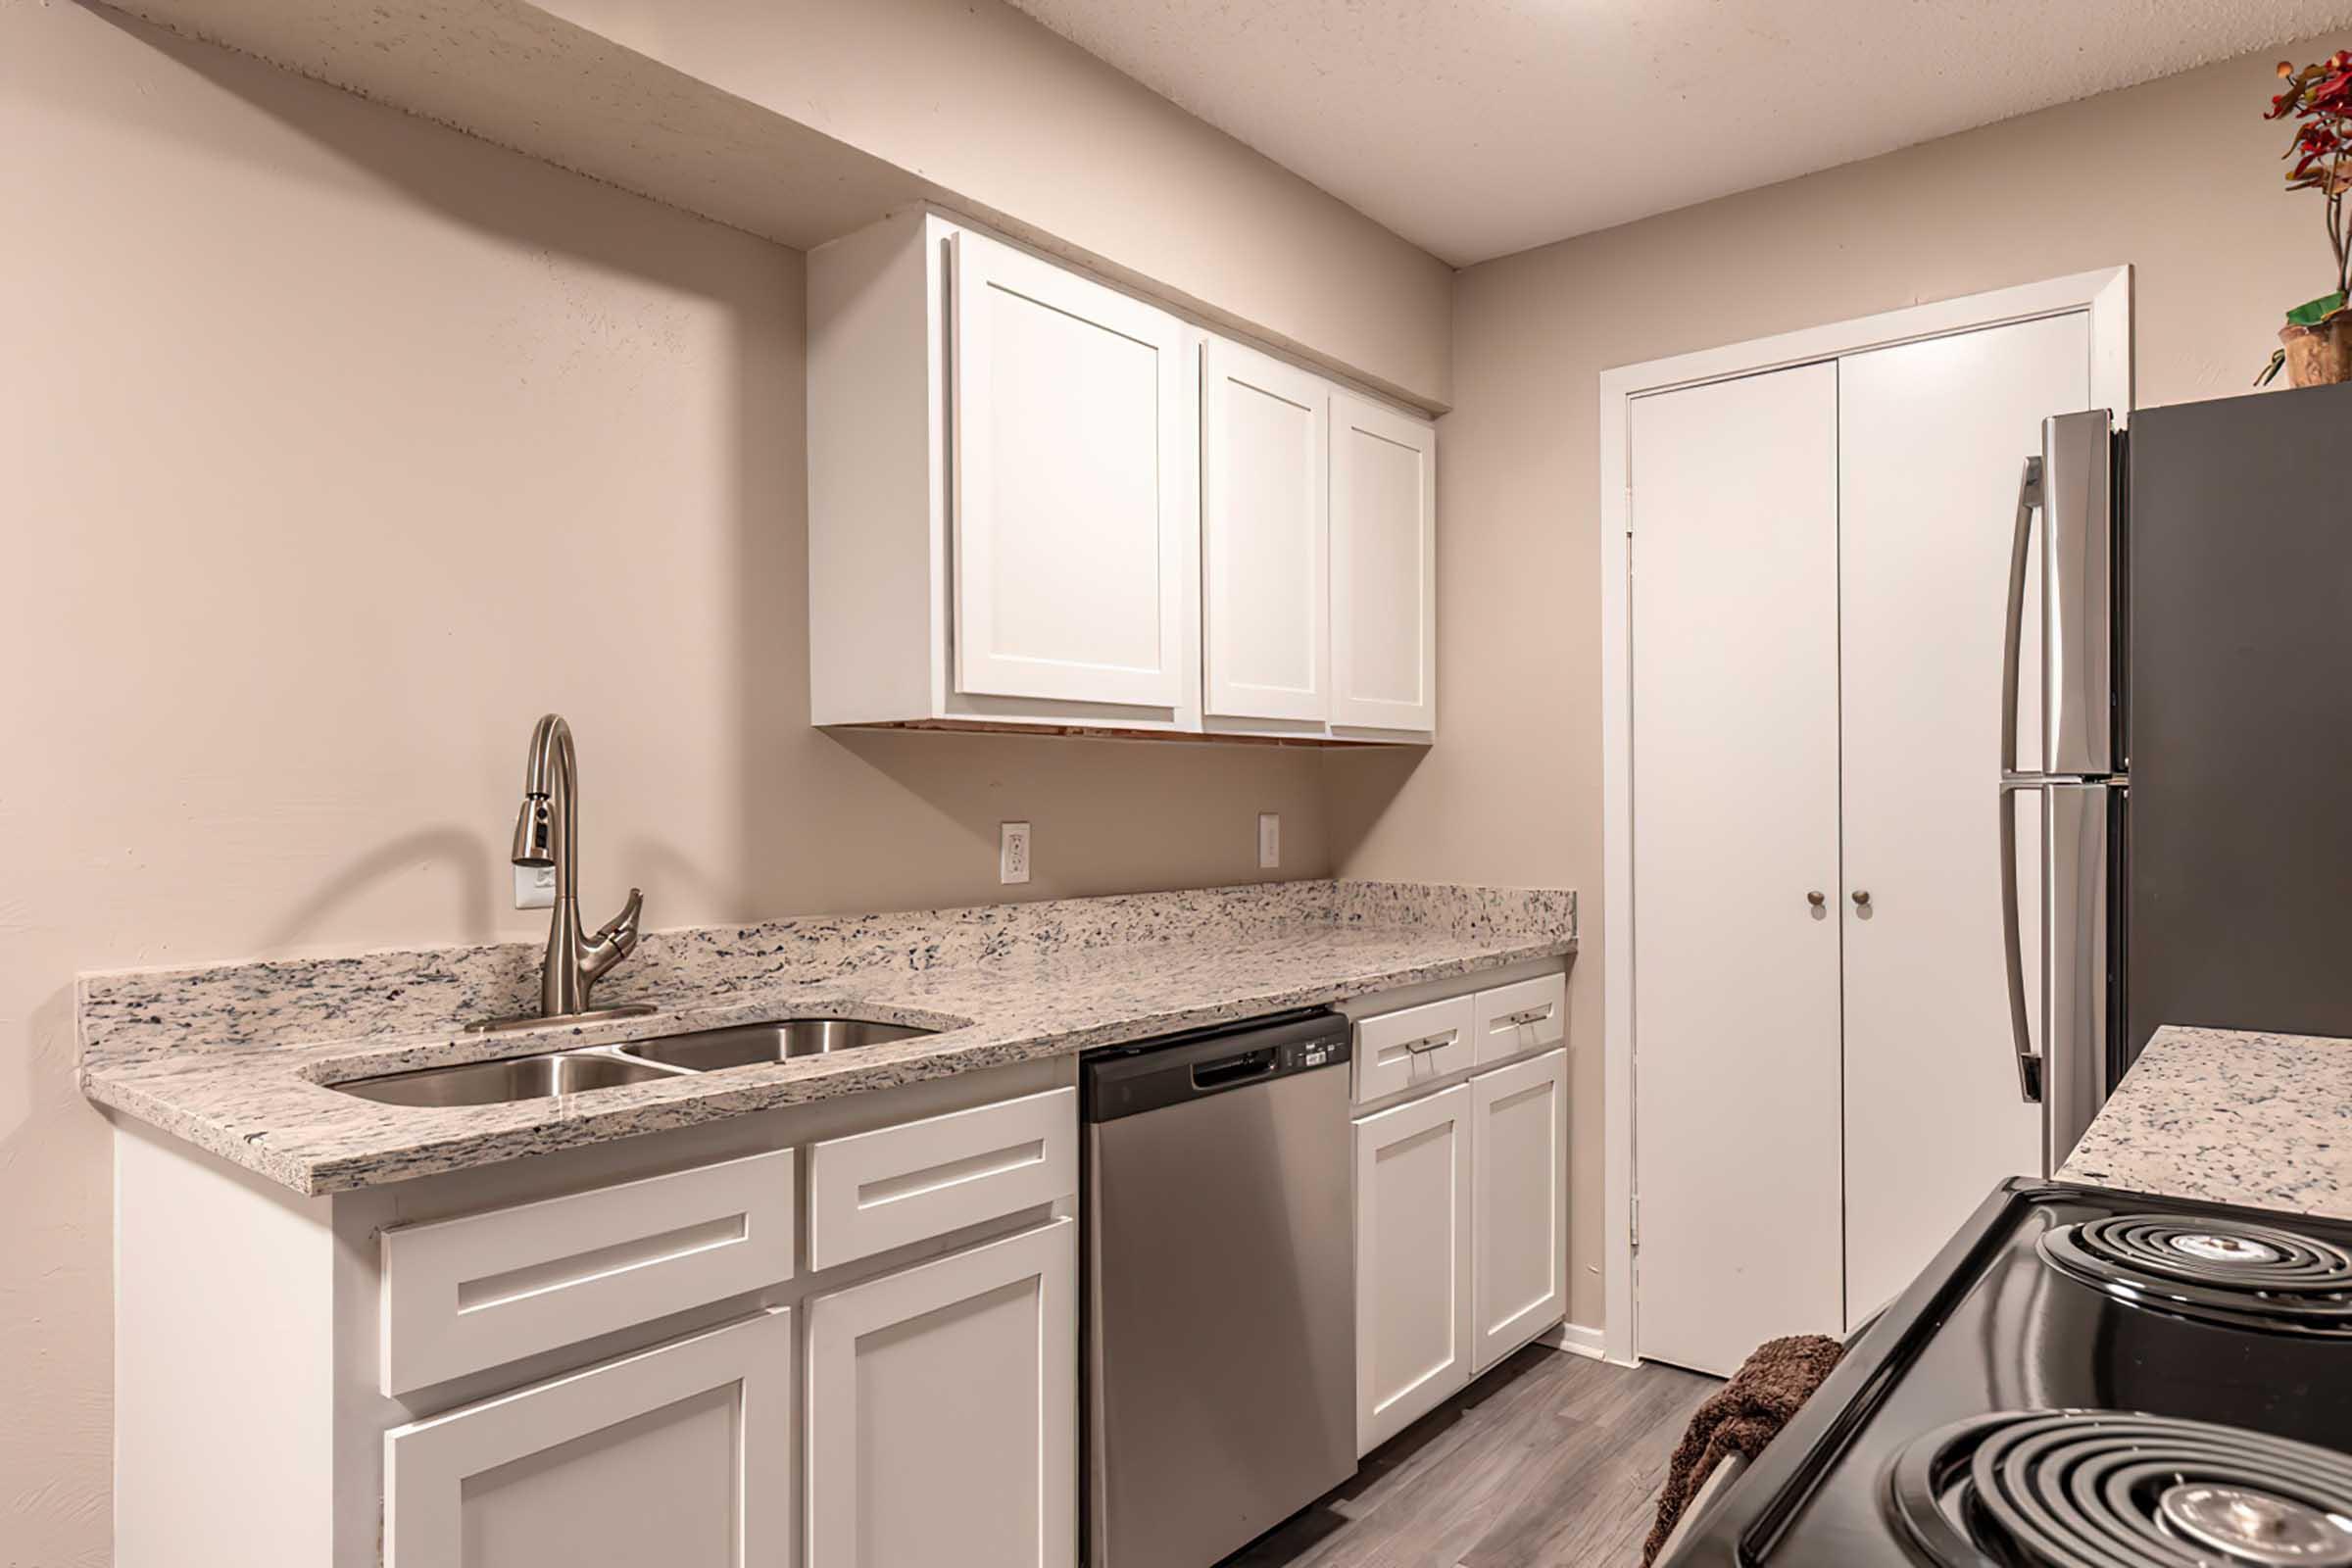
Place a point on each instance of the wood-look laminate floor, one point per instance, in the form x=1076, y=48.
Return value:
x=1551, y=1460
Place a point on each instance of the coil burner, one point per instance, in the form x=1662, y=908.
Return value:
x=2214, y=1269
x=2098, y=1488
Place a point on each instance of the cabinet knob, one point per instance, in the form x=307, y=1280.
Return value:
x=1817, y=900
x=1861, y=898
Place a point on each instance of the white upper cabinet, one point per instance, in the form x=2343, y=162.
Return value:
x=1073, y=521
x=1383, y=567
x=1038, y=502
x=1003, y=516
x=1266, y=520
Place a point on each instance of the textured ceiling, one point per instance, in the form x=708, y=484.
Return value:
x=1478, y=127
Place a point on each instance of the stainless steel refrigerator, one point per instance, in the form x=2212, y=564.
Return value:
x=2185, y=788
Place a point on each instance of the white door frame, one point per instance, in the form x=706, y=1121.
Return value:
x=2106, y=295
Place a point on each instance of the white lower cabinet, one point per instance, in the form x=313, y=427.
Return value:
x=1460, y=1237
x=548, y=1370
x=943, y=1411
x=1413, y=1262
x=653, y=1457
x=1518, y=1206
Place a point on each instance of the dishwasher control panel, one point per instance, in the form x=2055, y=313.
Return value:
x=1314, y=1053
x=1126, y=1079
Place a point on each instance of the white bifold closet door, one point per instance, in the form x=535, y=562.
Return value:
x=1931, y=437
x=1735, y=684
x=1823, y=1079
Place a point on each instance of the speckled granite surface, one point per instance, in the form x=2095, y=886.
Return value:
x=237, y=1058
x=2228, y=1117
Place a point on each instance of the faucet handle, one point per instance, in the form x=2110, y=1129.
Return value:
x=624, y=929
x=615, y=940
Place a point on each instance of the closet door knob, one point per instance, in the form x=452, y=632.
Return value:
x=1861, y=898
x=1816, y=899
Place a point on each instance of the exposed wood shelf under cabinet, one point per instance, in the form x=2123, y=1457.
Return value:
x=1101, y=732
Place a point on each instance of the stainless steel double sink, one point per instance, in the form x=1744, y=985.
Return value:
x=548, y=1073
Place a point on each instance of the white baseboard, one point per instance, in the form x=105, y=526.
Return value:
x=1576, y=1339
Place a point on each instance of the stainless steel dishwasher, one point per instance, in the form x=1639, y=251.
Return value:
x=1220, y=1287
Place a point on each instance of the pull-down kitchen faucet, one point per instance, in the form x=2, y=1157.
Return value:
x=546, y=834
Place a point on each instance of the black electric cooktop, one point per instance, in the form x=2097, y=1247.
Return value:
x=2082, y=1378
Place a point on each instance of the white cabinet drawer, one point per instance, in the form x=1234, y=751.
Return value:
x=459, y=1294
x=1531, y=1016
x=1398, y=1050
x=879, y=1189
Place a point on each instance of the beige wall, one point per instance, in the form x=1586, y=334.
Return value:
x=979, y=98
x=2178, y=178
x=338, y=447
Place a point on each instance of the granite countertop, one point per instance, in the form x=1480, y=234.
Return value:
x=236, y=1059
x=2228, y=1117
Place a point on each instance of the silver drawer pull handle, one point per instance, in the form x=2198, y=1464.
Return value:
x=1429, y=1042
x=1525, y=1015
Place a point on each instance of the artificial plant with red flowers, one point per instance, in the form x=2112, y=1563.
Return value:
x=2318, y=100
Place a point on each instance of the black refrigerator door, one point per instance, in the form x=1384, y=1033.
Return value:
x=2239, y=542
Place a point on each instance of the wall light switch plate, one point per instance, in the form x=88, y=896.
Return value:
x=534, y=887
x=1269, y=839
x=1012, y=852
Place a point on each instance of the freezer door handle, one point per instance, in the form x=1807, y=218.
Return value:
x=2029, y=1060
x=2028, y=501
x=2077, y=593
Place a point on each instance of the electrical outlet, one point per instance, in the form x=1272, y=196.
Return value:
x=534, y=887
x=1269, y=839
x=1012, y=852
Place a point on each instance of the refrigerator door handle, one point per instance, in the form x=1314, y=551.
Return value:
x=2028, y=501
x=2078, y=863
x=2029, y=1060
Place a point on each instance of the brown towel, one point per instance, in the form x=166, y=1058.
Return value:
x=1740, y=1417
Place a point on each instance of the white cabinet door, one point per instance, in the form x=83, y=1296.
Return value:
x=1265, y=536
x=1518, y=1204
x=1413, y=1262
x=680, y=1454
x=1735, y=824
x=1933, y=435
x=1383, y=567
x=1074, y=529
x=943, y=1411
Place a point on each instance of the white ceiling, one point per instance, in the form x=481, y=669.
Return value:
x=1478, y=127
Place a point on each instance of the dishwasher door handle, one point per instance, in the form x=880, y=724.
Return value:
x=1234, y=1069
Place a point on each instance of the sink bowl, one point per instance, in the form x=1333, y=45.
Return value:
x=640, y=1061
x=712, y=1049
x=497, y=1083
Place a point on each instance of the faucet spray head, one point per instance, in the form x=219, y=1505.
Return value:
x=534, y=833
